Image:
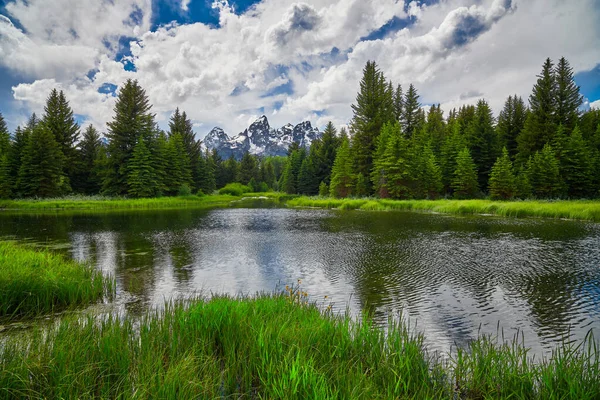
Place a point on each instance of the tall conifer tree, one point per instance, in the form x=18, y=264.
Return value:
x=511, y=122
x=568, y=98
x=410, y=114
x=465, y=177
x=342, y=182
x=89, y=175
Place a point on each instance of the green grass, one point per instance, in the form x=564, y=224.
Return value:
x=274, y=347
x=108, y=203
x=37, y=282
x=576, y=209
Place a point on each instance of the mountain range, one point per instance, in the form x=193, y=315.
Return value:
x=261, y=140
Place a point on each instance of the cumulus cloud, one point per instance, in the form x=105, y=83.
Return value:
x=595, y=104
x=455, y=51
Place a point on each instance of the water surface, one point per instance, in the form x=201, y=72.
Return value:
x=455, y=277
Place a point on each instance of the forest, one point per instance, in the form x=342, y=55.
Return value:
x=394, y=147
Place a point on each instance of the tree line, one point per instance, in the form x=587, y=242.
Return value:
x=548, y=149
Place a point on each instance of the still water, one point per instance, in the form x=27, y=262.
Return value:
x=454, y=277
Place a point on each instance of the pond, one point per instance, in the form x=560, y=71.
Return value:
x=452, y=277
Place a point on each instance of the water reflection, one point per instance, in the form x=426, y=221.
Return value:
x=456, y=277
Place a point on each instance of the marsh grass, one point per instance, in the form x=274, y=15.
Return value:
x=278, y=347
x=576, y=209
x=37, y=282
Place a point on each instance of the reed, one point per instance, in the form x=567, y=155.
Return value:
x=37, y=282
x=277, y=347
x=569, y=209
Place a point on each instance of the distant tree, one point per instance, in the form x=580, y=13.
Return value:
x=41, y=171
x=576, y=166
x=465, y=183
x=59, y=120
x=231, y=170
x=221, y=178
x=435, y=129
x=4, y=137
x=178, y=169
x=454, y=143
x=289, y=179
x=428, y=175
x=180, y=123
x=342, y=183
x=502, y=184
x=396, y=169
x=141, y=180
x=206, y=174
x=248, y=169
x=267, y=173
x=361, y=187
x=325, y=151
x=323, y=189
x=483, y=140
x=398, y=103
x=568, y=97
x=307, y=177
x=410, y=115
x=5, y=167
x=89, y=176
x=132, y=121
x=511, y=122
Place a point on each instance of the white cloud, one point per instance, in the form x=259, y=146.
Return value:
x=455, y=52
x=595, y=104
x=185, y=4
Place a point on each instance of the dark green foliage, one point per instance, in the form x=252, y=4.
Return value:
x=465, y=176
x=206, y=173
x=502, y=184
x=410, y=114
x=141, y=179
x=373, y=108
x=89, y=173
x=453, y=144
x=395, y=168
x=4, y=137
x=307, y=177
x=568, y=98
x=5, y=178
x=231, y=170
x=342, y=182
x=267, y=173
x=178, y=170
x=289, y=178
x=398, y=103
x=576, y=165
x=483, y=141
x=511, y=122
x=323, y=189
x=184, y=190
x=41, y=171
x=543, y=172
x=324, y=154
x=361, y=187
x=234, y=189
x=180, y=124
x=428, y=175
x=132, y=121
x=435, y=129
x=248, y=169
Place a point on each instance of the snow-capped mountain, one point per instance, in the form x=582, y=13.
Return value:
x=260, y=139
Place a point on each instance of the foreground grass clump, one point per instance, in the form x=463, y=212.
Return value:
x=108, y=203
x=575, y=209
x=36, y=282
x=274, y=347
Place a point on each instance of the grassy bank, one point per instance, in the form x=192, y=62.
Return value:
x=271, y=347
x=36, y=282
x=577, y=209
x=107, y=203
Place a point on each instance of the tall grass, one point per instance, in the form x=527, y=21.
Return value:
x=576, y=209
x=108, y=203
x=36, y=282
x=274, y=348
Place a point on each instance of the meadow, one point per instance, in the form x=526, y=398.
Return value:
x=38, y=282
x=277, y=346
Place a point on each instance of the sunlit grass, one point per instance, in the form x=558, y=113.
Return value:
x=36, y=282
x=277, y=347
x=575, y=209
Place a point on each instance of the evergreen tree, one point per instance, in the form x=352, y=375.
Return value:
x=323, y=189
x=398, y=103
x=511, y=122
x=483, y=141
x=395, y=166
x=141, y=180
x=428, y=175
x=59, y=120
x=5, y=178
x=576, y=166
x=435, y=129
x=540, y=124
x=231, y=170
x=543, y=172
x=373, y=108
x=361, y=187
x=378, y=174
x=89, y=176
x=568, y=98
x=289, y=178
x=248, y=169
x=206, y=174
x=132, y=121
x=411, y=109
x=4, y=137
x=40, y=173
x=221, y=178
x=180, y=123
x=453, y=144
x=465, y=177
x=307, y=183
x=267, y=173
x=161, y=160
x=178, y=169
x=325, y=153
x=341, y=175
x=502, y=179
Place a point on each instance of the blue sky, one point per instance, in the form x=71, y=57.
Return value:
x=227, y=62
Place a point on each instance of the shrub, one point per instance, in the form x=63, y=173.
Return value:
x=234, y=189
x=184, y=190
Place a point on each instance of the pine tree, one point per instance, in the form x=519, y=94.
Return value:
x=543, y=172
x=378, y=173
x=89, y=176
x=465, y=177
x=4, y=137
x=41, y=170
x=132, y=121
x=231, y=171
x=248, y=169
x=396, y=172
x=20, y=141
x=483, y=140
x=361, y=187
x=289, y=179
x=398, y=103
x=267, y=173
x=511, y=122
x=206, y=174
x=307, y=183
x=178, y=169
x=325, y=153
x=540, y=124
x=59, y=120
x=428, y=175
x=180, y=123
x=435, y=129
x=373, y=108
x=568, y=98
x=323, y=189
x=221, y=178
x=576, y=166
x=141, y=178
x=411, y=109
x=502, y=179
x=453, y=144
x=342, y=183
x=5, y=178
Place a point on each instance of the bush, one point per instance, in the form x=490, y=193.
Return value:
x=200, y=193
x=234, y=189
x=184, y=190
